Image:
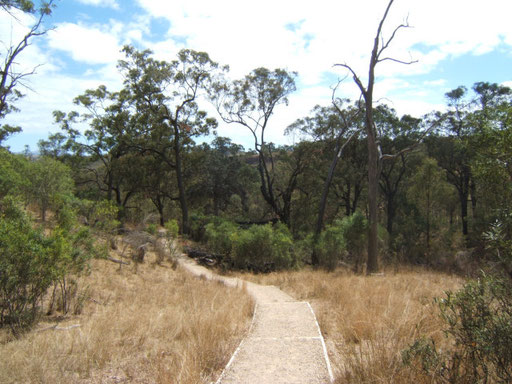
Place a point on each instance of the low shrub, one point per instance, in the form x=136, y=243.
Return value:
x=330, y=246
x=219, y=234
x=151, y=228
x=172, y=227
x=344, y=239
x=197, y=226
x=479, y=326
x=262, y=248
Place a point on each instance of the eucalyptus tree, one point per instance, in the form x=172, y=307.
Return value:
x=454, y=150
x=397, y=135
x=165, y=116
x=430, y=192
x=337, y=124
x=49, y=184
x=351, y=179
x=251, y=102
x=217, y=175
x=98, y=151
x=492, y=162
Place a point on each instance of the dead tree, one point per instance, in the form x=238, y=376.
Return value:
x=10, y=78
x=375, y=156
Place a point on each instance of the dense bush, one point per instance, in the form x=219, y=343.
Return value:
x=27, y=267
x=262, y=248
x=479, y=325
x=344, y=239
x=219, y=234
x=172, y=227
x=197, y=223
x=31, y=262
x=330, y=246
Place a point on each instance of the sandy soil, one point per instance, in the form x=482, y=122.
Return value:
x=284, y=344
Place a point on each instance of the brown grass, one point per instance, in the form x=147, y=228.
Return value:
x=368, y=321
x=149, y=325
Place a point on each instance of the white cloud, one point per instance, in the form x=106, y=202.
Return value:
x=246, y=35
x=101, y=3
x=90, y=45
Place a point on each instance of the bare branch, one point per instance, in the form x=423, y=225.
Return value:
x=388, y=42
x=398, y=61
x=354, y=76
x=435, y=124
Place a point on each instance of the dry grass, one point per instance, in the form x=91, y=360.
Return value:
x=368, y=321
x=149, y=325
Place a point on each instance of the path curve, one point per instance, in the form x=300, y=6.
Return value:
x=284, y=343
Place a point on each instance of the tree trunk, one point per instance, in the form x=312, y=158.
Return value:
x=464, y=212
x=372, y=265
x=157, y=201
x=185, y=227
x=390, y=209
x=43, y=213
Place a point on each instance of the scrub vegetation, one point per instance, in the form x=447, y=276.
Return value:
x=397, y=228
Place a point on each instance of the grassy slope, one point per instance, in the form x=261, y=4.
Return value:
x=150, y=325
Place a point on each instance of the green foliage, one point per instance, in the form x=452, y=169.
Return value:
x=172, y=228
x=479, y=323
x=102, y=215
x=262, y=248
x=355, y=232
x=151, y=228
x=32, y=262
x=27, y=267
x=197, y=229
x=49, y=183
x=344, y=239
x=330, y=246
x=219, y=234
x=499, y=242
x=13, y=179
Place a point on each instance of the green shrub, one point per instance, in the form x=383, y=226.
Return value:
x=330, y=246
x=101, y=215
x=151, y=228
x=218, y=236
x=282, y=241
x=31, y=262
x=262, y=248
x=479, y=324
x=27, y=267
x=355, y=233
x=172, y=227
x=197, y=226
x=344, y=239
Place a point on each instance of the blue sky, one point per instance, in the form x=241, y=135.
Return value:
x=456, y=42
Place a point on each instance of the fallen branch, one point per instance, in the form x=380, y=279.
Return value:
x=203, y=257
x=118, y=261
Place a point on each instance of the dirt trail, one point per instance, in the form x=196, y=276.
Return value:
x=284, y=344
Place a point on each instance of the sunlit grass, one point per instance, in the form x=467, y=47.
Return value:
x=152, y=325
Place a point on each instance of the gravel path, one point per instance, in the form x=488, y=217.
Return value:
x=284, y=344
